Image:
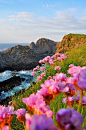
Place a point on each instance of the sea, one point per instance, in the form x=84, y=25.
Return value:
x=7, y=74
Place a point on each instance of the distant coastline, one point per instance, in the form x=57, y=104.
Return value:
x=5, y=46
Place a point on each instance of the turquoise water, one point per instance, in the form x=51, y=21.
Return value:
x=24, y=85
x=8, y=74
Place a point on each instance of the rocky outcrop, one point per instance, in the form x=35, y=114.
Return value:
x=70, y=41
x=26, y=57
x=18, y=58
x=10, y=83
x=44, y=46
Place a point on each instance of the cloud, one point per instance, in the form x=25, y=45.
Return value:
x=27, y=27
x=72, y=11
x=48, y=6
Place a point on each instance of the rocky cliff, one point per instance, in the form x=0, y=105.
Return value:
x=18, y=58
x=26, y=57
x=44, y=46
x=70, y=41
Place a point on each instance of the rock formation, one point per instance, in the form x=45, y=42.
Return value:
x=18, y=58
x=10, y=83
x=26, y=57
x=44, y=46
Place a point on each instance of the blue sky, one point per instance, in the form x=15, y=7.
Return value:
x=24, y=21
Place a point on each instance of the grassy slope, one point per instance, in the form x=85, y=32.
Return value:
x=77, y=56
x=70, y=41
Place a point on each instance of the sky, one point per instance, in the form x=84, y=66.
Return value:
x=25, y=21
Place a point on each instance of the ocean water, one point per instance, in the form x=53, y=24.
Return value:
x=4, y=46
x=24, y=85
x=8, y=74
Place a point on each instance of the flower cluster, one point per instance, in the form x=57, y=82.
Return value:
x=6, y=116
x=40, y=115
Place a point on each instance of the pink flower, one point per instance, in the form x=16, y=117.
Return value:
x=71, y=65
x=49, y=77
x=33, y=74
x=41, y=122
x=31, y=101
x=83, y=101
x=57, y=68
x=51, y=62
x=71, y=90
x=43, y=74
x=41, y=61
x=60, y=76
x=6, y=115
x=34, y=69
x=46, y=94
x=63, y=56
x=39, y=78
x=69, y=101
x=59, y=58
x=21, y=114
x=56, y=55
x=5, y=127
x=37, y=67
x=74, y=70
x=42, y=68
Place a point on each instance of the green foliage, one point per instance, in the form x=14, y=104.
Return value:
x=76, y=56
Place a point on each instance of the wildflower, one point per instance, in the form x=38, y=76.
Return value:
x=46, y=95
x=41, y=61
x=59, y=58
x=39, y=78
x=57, y=68
x=49, y=77
x=31, y=101
x=42, y=69
x=41, y=122
x=60, y=76
x=5, y=127
x=33, y=74
x=69, y=100
x=21, y=114
x=83, y=101
x=71, y=90
x=6, y=115
x=37, y=67
x=71, y=65
x=43, y=74
x=74, y=70
x=69, y=119
x=34, y=69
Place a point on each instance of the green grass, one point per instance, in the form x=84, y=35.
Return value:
x=77, y=35
x=77, y=56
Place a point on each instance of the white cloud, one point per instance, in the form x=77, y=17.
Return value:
x=48, y=6
x=27, y=27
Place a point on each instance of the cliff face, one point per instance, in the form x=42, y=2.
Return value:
x=70, y=41
x=18, y=58
x=26, y=57
x=44, y=46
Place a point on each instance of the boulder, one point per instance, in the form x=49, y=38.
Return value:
x=10, y=83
